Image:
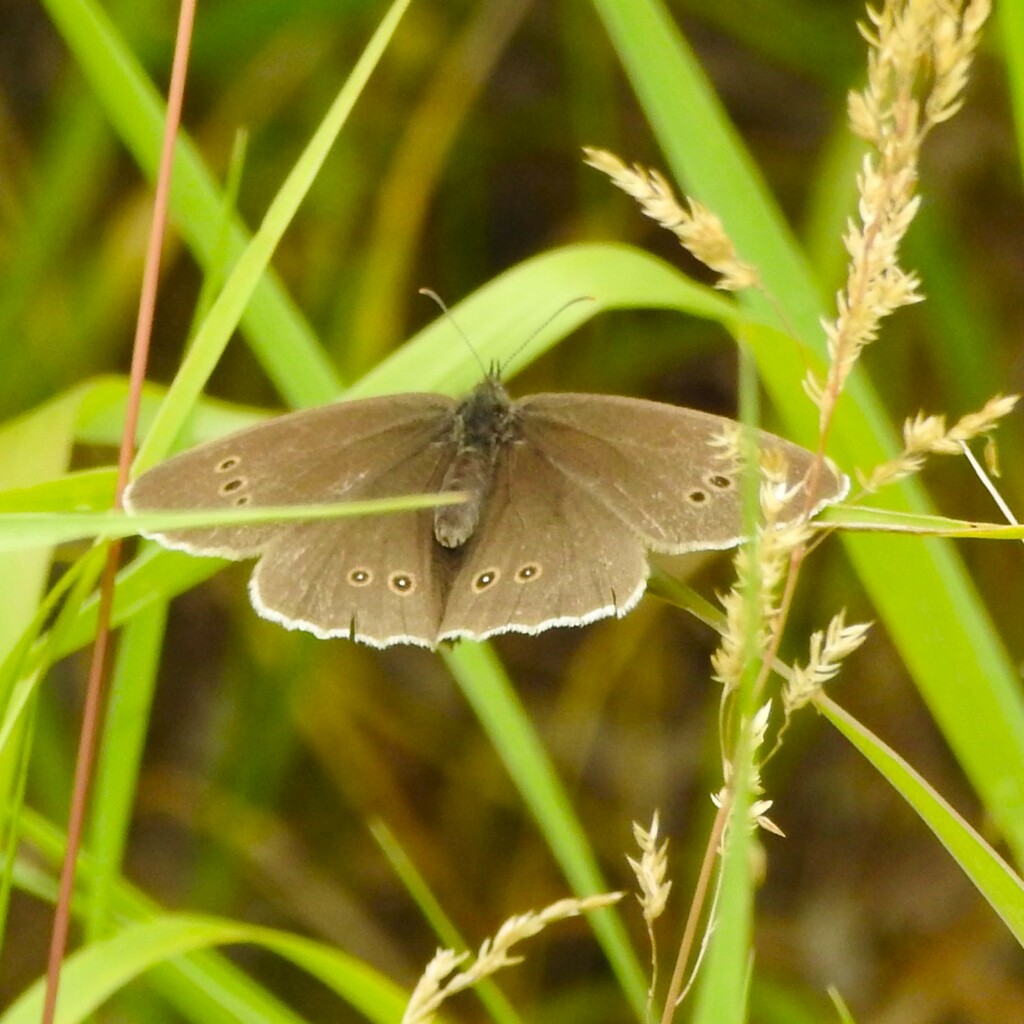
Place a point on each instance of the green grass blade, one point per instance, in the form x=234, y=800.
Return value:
x=723, y=981
x=204, y=986
x=10, y=825
x=285, y=345
x=125, y=725
x=23, y=530
x=681, y=106
x=153, y=576
x=63, y=188
x=499, y=317
x=994, y=879
x=26, y=663
x=33, y=447
x=495, y=703
x=213, y=336
x=1010, y=22
x=497, y=1004
x=90, y=976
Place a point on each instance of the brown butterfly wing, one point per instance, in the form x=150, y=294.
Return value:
x=366, y=577
x=654, y=466
x=333, y=453
x=544, y=554
x=369, y=578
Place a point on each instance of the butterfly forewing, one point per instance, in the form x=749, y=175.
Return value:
x=667, y=480
x=335, y=453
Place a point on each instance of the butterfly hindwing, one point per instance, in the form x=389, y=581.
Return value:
x=544, y=554
x=370, y=578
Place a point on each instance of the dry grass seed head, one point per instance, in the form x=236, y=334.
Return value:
x=760, y=567
x=433, y=989
x=925, y=435
x=699, y=230
x=757, y=813
x=827, y=651
x=650, y=870
x=918, y=58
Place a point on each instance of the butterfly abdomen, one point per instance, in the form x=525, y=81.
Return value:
x=484, y=424
x=471, y=472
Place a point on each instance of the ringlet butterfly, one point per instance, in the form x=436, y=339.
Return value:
x=566, y=494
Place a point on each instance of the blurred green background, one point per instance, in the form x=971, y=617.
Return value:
x=270, y=753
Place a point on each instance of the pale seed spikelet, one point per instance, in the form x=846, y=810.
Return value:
x=430, y=992
x=650, y=870
x=757, y=816
x=729, y=658
x=699, y=230
x=728, y=443
x=779, y=539
x=927, y=435
x=774, y=542
x=953, y=54
x=991, y=456
x=827, y=651
x=776, y=539
x=653, y=896
x=974, y=424
x=919, y=54
x=432, y=989
x=758, y=813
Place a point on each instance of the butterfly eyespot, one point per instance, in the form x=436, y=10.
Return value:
x=719, y=481
x=697, y=497
x=233, y=485
x=360, y=577
x=242, y=499
x=402, y=583
x=527, y=573
x=227, y=464
x=486, y=579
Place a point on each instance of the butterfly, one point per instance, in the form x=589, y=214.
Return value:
x=565, y=495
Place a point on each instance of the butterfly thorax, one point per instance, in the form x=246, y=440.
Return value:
x=483, y=425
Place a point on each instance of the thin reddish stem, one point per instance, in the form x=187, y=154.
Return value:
x=700, y=896
x=92, y=712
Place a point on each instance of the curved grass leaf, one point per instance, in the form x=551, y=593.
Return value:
x=993, y=878
x=489, y=692
x=93, y=974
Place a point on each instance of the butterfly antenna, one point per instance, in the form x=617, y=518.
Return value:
x=554, y=316
x=431, y=294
